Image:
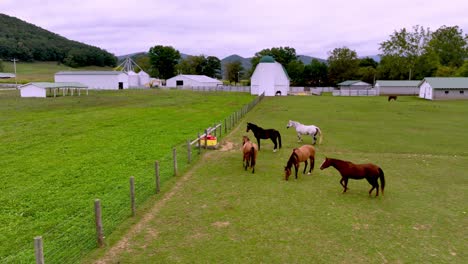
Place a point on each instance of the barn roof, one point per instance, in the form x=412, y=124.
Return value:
x=4, y=75
x=89, y=73
x=267, y=59
x=57, y=85
x=398, y=83
x=447, y=82
x=352, y=82
x=201, y=78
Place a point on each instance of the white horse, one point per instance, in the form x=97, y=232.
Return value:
x=306, y=130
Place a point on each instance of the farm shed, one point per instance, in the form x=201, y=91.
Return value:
x=105, y=80
x=384, y=87
x=269, y=77
x=41, y=89
x=6, y=75
x=185, y=80
x=354, y=85
x=444, y=88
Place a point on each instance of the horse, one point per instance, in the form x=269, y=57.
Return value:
x=392, y=97
x=298, y=155
x=349, y=170
x=306, y=130
x=261, y=133
x=250, y=153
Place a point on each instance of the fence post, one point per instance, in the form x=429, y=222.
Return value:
x=174, y=156
x=156, y=171
x=99, y=229
x=225, y=126
x=38, y=249
x=199, y=143
x=132, y=195
x=189, y=151
x=206, y=138
x=220, y=129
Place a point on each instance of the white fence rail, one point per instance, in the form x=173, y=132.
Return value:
x=364, y=92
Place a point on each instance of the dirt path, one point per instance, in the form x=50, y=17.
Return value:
x=124, y=243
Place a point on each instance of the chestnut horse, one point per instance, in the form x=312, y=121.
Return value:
x=250, y=153
x=298, y=155
x=349, y=170
x=261, y=133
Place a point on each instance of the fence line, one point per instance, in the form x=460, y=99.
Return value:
x=77, y=240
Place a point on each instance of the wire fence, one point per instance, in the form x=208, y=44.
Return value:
x=78, y=234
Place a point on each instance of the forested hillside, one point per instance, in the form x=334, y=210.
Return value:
x=27, y=42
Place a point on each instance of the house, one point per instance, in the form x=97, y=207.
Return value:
x=41, y=89
x=444, y=88
x=269, y=77
x=100, y=80
x=384, y=87
x=354, y=85
x=186, y=80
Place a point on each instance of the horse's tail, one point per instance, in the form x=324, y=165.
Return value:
x=382, y=180
x=252, y=158
x=279, y=139
x=320, y=135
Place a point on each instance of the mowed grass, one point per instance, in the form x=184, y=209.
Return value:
x=41, y=71
x=59, y=154
x=224, y=214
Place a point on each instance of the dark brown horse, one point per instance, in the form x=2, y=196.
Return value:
x=392, y=97
x=261, y=133
x=302, y=154
x=349, y=170
x=250, y=151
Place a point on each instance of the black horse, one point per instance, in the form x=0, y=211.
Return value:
x=261, y=133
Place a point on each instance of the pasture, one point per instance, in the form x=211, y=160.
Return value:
x=59, y=154
x=223, y=214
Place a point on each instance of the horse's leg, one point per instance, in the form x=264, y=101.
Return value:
x=296, y=167
x=274, y=142
x=299, y=138
x=258, y=143
x=375, y=185
x=312, y=164
x=305, y=167
x=342, y=184
x=315, y=136
x=345, y=184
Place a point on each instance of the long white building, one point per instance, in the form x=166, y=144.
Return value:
x=101, y=80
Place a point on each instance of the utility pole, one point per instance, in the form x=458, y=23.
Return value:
x=14, y=66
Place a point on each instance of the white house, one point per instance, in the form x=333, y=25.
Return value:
x=269, y=77
x=186, y=80
x=397, y=87
x=105, y=80
x=444, y=88
x=40, y=89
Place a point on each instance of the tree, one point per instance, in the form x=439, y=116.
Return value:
x=295, y=70
x=201, y=65
x=213, y=67
x=343, y=64
x=368, y=62
x=316, y=73
x=449, y=44
x=463, y=70
x=233, y=71
x=402, y=50
x=163, y=60
x=282, y=55
x=1, y=66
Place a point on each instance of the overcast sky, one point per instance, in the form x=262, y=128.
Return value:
x=221, y=28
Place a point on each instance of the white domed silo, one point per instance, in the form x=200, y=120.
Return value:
x=133, y=79
x=144, y=78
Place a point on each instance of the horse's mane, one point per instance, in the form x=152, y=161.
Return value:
x=292, y=158
x=335, y=161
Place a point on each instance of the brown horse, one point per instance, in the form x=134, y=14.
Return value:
x=349, y=170
x=298, y=155
x=250, y=150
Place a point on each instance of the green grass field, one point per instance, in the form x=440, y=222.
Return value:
x=223, y=214
x=40, y=71
x=59, y=154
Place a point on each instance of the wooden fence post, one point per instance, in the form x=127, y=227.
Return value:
x=174, y=156
x=225, y=126
x=199, y=143
x=99, y=229
x=156, y=171
x=132, y=195
x=206, y=138
x=189, y=151
x=38, y=249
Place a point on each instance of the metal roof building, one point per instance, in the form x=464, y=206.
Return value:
x=444, y=88
x=41, y=89
x=397, y=87
x=101, y=80
x=187, y=80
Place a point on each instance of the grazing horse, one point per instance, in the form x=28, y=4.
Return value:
x=392, y=97
x=298, y=155
x=349, y=170
x=306, y=130
x=250, y=153
x=261, y=133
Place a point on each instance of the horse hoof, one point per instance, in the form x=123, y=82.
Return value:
x=308, y=173
x=274, y=150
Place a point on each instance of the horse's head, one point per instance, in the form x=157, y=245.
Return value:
x=245, y=139
x=249, y=126
x=327, y=163
x=289, y=124
x=287, y=173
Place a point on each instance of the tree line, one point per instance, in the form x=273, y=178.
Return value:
x=408, y=54
x=27, y=42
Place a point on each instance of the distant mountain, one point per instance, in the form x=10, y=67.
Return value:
x=231, y=58
x=374, y=57
x=307, y=59
x=27, y=42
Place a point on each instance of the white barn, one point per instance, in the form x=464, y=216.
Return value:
x=187, y=80
x=40, y=89
x=269, y=77
x=99, y=80
x=384, y=87
x=444, y=88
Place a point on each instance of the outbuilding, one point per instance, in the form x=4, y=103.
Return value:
x=444, y=88
x=100, y=80
x=41, y=89
x=188, y=80
x=354, y=85
x=398, y=87
x=269, y=77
